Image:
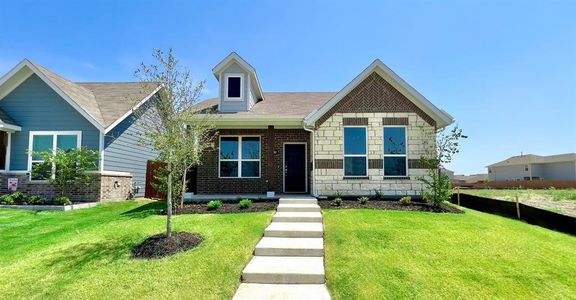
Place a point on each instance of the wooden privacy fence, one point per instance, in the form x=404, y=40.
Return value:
x=529, y=214
x=152, y=168
x=525, y=184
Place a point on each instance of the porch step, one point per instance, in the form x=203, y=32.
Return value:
x=287, y=269
x=309, y=200
x=276, y=246
x=298, y=207
x=250, y=291
x=297, y=217
x=294, y=229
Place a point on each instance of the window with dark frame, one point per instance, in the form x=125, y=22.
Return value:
x=239, y=157
x=395, y=157
x=355, y=152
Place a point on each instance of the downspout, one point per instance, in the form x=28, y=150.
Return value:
x=312, y=147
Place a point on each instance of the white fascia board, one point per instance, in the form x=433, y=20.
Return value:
x=442, y=118
x=18, y=74
x=119, y=120
x=9, y=127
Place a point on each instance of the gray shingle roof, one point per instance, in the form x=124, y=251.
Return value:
x=290, y=104
x=106, y=102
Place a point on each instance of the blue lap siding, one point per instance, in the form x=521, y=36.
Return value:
x=124, y=151
x=36, y=107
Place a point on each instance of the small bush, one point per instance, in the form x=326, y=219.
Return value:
x=245, y=203
x=214, y=204
x=337, y=195
x=363, y=200
x=7, y=199
x=19, y=197
x=62, y=200
x=338, y=202
x=405, y=200
x=378, y=194
x=35, y=200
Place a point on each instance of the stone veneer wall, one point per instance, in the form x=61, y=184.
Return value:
x=329, y=148
x=103, y=188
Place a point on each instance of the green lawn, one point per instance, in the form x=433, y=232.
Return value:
x=86, y=253
x=373, y=254
x=548, y=194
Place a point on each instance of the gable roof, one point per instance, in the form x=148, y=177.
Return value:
x=102, y=104
x=234, y=57
x=535, y=159
x=441, y=117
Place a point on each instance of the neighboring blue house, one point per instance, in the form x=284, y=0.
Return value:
x=40, y=110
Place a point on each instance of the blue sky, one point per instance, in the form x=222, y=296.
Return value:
x=506, y=70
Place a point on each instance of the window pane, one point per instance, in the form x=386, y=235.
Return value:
x=354, y=140
x=66, y=142
x=394, y=140
x=228, y=169
x=250, y=169
x=41, y=170
x=251, y=148
x=354, y=166
x=234, y=87
x=41, y=143
x=229, y=148
x=395, y=166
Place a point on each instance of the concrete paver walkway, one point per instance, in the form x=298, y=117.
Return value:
x=288, y=262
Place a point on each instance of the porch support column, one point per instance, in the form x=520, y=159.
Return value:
x=270, y=158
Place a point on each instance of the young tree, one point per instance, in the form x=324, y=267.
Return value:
x=439, y=148
x=69, y=167
x=170, y=123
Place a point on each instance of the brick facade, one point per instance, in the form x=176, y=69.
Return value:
x=376, y=101
x=271, y=163
x=102, y=188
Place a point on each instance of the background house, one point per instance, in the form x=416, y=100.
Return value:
x=41, y=111
x=534, y=167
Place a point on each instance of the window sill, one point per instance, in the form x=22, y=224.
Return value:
x=396, y=178
x=355, y=177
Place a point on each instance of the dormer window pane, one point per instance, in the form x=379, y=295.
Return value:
x=234, y=85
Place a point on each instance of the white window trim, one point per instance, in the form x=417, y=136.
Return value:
x=384, y=155
x=240, y=159
x=54, y=143
x=228, y=75
x=353, y=155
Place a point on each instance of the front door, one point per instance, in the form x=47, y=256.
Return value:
x=295, y=168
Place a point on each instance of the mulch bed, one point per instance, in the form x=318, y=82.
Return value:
x=158, y=246
x=226, y=208
x=390, y=205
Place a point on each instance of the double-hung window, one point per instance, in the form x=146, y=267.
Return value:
x=395, y=158
x=240, y=156
x=42, y=141
x=355, y=152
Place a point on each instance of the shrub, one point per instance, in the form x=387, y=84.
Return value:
x=245, y=203
x=214, y=204
x=363, y=200
x=35, y=199
x=378, y=194
x=62, y=200
x=337, y=195
x=405, y=200
x=19, y=197
x=338, y=201
x=7, y=199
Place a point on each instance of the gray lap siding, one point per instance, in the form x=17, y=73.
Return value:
x=271, y=166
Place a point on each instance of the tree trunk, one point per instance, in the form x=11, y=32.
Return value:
x=169, y=203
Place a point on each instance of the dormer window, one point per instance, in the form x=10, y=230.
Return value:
x=233, y=89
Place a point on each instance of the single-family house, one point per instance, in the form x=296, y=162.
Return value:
x=40, y=111
x=367, y=137
x=534, y=167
